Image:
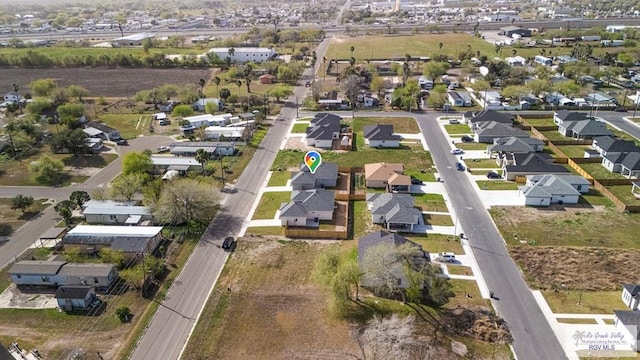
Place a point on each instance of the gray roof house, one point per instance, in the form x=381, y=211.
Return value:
x=214, y=148
x=323, y=129
x=625, y=163
x=629, y=322
x=486, y=116
x=530, y=164
x=381, y=136
x=583, y=129
x=544, y=190
x=487, y=132
x=395, y=266
x=565, y=115
x=394, y=211
x=631, y=295
x=608, y=144
x=55, y=272
x=96, y=129
x=75, y=297
x=514, y=145
x=307, y=208
x=109, y=213
x=325, y=176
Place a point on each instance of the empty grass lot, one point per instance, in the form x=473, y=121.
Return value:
x=592, y=302
x=129, y=125
x=574, y=151
x=401, y=125
x=600, y=172
x=15, y=218
x=430, y=202
x=279, y=178
x=459, y=270
x=463, y=287
x=437, y=219
x=497, y=185
x=471, y=146
x=266, y=230
x=437, y=243
x=425, y=177
x=567, y=226
x=270, y=203
x=481, y=163
x=300, y=128
x=457, y=129
x=16, y=173
x=361, y=219
x=623, y=192
x=541, y=122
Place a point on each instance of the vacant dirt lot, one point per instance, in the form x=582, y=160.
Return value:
x=584, y=268
x=109, y=82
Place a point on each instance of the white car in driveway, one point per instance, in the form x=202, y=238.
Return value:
x=457, y=151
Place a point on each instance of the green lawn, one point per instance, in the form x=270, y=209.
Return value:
x=401, y=125
x=592, y=302
x=437, y=220
x=623, y=192
x=270, y=203
x=594, y=198
x=472, y=146
x=426, y=176
x=299, y=128
x=437, y=243
x=457, y=129
x=554, y=135
x=574, y=151
x=600, y=172
x=541, y=122
x=279, y=178
x=459, y=270
x=361, y=219
x=481, y=163
x=129, y=125
x=463, y=287
x=497, y=185
x=397, y=46
x=430, y=202
x=266, y=230
x=16, y=172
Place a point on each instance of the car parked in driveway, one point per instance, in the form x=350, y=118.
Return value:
x=454, y=121
x=163, y=149
x=122, y=142
x=493, y=175
x=457, y=151
x=466, y=138
x=447, y=257
x=416, y=181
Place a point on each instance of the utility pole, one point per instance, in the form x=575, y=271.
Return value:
x=297, y=111
x=221, y=171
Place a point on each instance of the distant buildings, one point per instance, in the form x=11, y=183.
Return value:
x=132, y=40
x=245, y=54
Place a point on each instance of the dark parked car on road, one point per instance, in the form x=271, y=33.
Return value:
x=228, y=243
x=122, y=142
x=459, y=166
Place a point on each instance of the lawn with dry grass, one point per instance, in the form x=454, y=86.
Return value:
x=568, y=226
x=279, y=178
x=401, y=125
x=16, y=218
x=584, y=302
x=437, y=219
x=437, y=243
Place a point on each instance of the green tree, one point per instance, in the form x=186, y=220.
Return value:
x=79, y=198
x=124, y=314
x=66, y=215
x=126, y=186
x=47, y=170
x=182, y=111
x=38, y=106
x=70, y=113
x=202, y=157
x=377, y=85
x=137, y=163
x=211, y=107
x=111, y=256
x=280, y=90
x=22, y=202
x=42, y=87
x=77, y=91
x=568, y=88
x=538, y=86
x=437, y=97
x=225, y=94
x=59, y=96
x=186, y=201
x=514, y=92
x=434, y=69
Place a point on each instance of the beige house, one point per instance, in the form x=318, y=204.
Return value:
x=399, y=183
x=377, y=175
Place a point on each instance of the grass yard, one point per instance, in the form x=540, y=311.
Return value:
x=600, y=172
x=623, y=193
x=437, y=220
x=574, y=151
x=16, y=172
x=481, y=163
x=471, y=146
x=497, y=185
x=576, y=321
x=542, y=226
x=401, y=125
x=457, y=129
x=554, y=135
x=584, y=302
x=463, y=287
x=424, y=176
x=279, y=178
x=437, y=243
x=16, y=218
x=459, y=270
x=595, y=198
x=361, y=219
x=129, y=125
x=398, y=46
x=270, y=203
x=299, y=128
x=266, y=230
x=541, y=122
x=430, y=202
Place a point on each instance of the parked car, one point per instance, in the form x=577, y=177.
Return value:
x=621, y=109
x=227, y=244
x=454, y=121
x=229, y=190
x=459, y=166
x=493, y=175
x=447, y=256
x=122, y=142
x=466, y=138
x=416, y=181
x=162, y=149
x=457, y=151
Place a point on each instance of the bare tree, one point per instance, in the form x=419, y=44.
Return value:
x=351, y=87
x=387, y=338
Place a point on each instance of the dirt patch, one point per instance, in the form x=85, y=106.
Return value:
x=593, y=269
x=107, y=81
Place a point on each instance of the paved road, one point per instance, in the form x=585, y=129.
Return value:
x=169, y=331
x=533, y=337
x=22, y=238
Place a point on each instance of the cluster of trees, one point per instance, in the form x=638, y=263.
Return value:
x=65, y=208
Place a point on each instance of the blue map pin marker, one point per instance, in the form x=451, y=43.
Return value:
x=312, y=159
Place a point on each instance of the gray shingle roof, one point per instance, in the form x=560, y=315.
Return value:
x=492, y=115
x=73, y=292
x=633, y=289
x=36, y=267
x=314, y=200
x=587, y=128
x=326, y=171
x=515, y=144
x=566, y=115
x=629, y=318
x=379, y=132
x=323, y=126
x=292, y=209
x=493, y=128
x=550, y=185
x=632, y=161
x=86, y=269
x=534, y=162
x=396, y=208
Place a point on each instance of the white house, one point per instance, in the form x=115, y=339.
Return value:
x=55, y=272
x=245, y=54
x=307, y=208
x=381, y=136
x=201, y=104
x=515, y=61
x=132, y=40
x=198, y=121
x=132, y=241
x=631, y=295
x=109, y=213
x=544, y=190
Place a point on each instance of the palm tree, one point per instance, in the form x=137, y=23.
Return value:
x=352, y=48
x=405, y=73
x=217, y=80
x=231, y=51
x=514, y=52
x=202, y=157
x=247, y=81
x=202, y=83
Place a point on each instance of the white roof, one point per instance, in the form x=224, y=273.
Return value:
x=239, y=50
x=91, y=131
x=135, y=37
x=208, y=117
x=116, y=231
x=160, y=116
x=162, y=160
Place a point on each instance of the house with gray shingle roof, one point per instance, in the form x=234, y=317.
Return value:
x=530, y=164
x=381, y=136
x=628, y=322
x=544, y=190
x=631, y=295
x=630, y=165
x=583, y=129
x=487, y=132
x=394, y=211
x=487, y=116
x=608, y=144
x=307, y=208
x=395, y=266
x=512, y=145
x=325, y=176
x=56, y=272
x=561, y=116
x=323, y=129
x=110, y=213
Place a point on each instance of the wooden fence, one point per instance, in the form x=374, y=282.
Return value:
x=315, y=233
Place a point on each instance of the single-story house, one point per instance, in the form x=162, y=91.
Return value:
x=108, y=213
x=558, y=99
x=628, y=322
x=457, y=98
x=323, y=129
x=631, y=295
x=93, y=145
x=244, y=117
x=205, y=120
x=132, y=40
x=307, y=208
x=583, y=129
x=514, y=145
x=225, y=132
x=530, y=164
x=399, y=183
x=325, y=176
x=377, y=175
x=381, y=136
x=599, y=99
x=394, y=211
x=475, y=119
x=266, y=79
x=487, y=132
x=395, y=267
x=75, y=297
x=608, y=144
x=132, y=241
x=214, y=148
x=544, y=190
x=95, y=129
x=565, y=115
x=168, y=106
x=181, y=164
x=515, y=61
x=56, y=272
x=201, y=104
